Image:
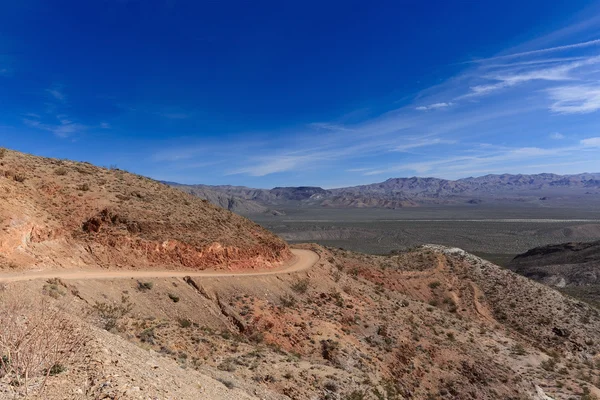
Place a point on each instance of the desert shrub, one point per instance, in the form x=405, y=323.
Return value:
x=145, y=286
x=519, y=349
x=329, y=349
x=53, y=290
x=301, y=286
x=227, y=365
x=287, y=300
x=19, y=178
x=337, y=275
x=147, y=335
x=37, y=339
x=389, y=390
x=184, y=323
x=110, y=314
x=60, y=171
x=174, y=297
x=435, y=284
x=2, y=152
x=84, y=187
x=228, y=384
x=549, y=364
x=356, y=395
x=337, y=297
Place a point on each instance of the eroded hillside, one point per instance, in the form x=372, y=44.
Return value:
x=430, y=323
x=64, y=214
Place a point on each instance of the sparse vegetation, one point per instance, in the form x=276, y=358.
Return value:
x=301, y=286
x=37, y=340
x=145, y=286
x=60, y=171
x=19, y=178
x=111, y=313
x=174, y=297
x=287, y=300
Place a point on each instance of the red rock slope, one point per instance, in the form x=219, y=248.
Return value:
x=65, y=214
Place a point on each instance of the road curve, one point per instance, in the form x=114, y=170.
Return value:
x=303, y=260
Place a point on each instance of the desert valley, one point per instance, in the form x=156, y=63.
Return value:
x=117, y=286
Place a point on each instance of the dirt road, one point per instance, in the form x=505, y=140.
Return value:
x=303, y=260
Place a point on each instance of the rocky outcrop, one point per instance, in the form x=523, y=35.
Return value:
x=561, y=265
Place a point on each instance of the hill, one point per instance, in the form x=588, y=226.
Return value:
x=573, y=267
x=65, y=214
x=540, y=189
x=432, y=322
x=223, y=200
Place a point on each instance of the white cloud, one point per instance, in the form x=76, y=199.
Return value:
x=515, y=76
x=589, y=43
x=271, y=165
x=433, y=106
x=557, y=136
x=64, y=128
x=591, y=142
x=580, y=99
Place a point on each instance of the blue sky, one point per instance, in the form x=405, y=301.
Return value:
x=321, y=93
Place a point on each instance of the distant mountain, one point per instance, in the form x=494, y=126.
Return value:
x=223, y=200
x=415, y=191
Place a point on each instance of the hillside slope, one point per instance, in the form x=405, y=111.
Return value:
x=430, y=323
x=572, y=267
x=57, y=213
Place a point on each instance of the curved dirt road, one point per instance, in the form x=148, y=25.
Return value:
x=303, y=260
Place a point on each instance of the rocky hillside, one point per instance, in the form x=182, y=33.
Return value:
x=411, y=192
x=573, y=267
x=429, y=323
x=57, y=213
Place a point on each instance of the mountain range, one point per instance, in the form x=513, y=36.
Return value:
x=407, y=192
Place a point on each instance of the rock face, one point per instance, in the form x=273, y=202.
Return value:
x=56, y=213
x=415, y=191
x=562, y=265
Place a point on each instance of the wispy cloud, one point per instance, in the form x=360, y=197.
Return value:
x=433, y=106
x=581, y=99
x=493, y=116
x=63, y=128
x=537, y=52
x=275, y=164
x=423, y=143
x=56, y=118
x=591, y=142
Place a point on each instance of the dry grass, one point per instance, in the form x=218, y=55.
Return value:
x=37, y=339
